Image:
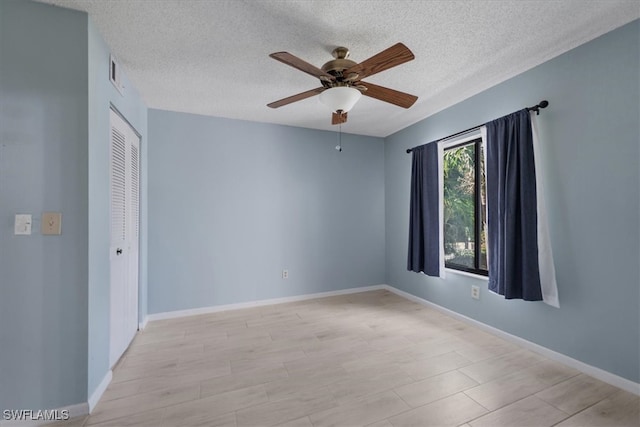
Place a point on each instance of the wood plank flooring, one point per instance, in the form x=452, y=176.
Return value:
x=371, y=358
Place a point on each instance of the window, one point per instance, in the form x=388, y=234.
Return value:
x=465, y=246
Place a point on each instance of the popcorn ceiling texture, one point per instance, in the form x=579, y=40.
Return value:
x=211, y=57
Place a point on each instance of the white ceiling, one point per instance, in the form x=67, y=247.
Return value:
x=211, y=57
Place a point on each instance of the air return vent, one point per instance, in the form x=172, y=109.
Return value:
x=114, y=74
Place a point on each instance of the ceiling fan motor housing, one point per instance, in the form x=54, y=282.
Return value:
x=337, y=66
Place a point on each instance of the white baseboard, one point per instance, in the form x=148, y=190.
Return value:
x=78, y=410
x=97, y=393
x=252, y=304
x=602, y=375
x=143, y=323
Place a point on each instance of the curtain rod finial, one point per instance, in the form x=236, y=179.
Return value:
x=543, y=104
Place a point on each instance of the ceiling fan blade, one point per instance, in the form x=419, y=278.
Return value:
x=297, y=97
x=338, y=118
x=391, y=96
x=388, y=58
x=295, y=62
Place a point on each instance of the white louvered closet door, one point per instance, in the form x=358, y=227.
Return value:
x=125, y=202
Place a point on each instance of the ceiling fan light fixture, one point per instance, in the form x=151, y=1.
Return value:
x=341, y=98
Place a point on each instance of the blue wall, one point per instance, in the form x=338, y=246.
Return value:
x=54, y=156
x=43, y=167
x=232, y=203
x=590, y=153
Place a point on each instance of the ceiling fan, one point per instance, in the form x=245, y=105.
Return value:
x=341, y=80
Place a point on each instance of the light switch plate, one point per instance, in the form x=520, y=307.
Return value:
x=51, y=223
x=22, y=224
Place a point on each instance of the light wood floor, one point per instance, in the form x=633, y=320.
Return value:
x=372, y=358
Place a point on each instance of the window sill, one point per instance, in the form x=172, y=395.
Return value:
x=464, y=273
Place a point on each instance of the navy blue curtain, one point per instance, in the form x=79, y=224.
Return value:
x=424, y=219
x=512, y=208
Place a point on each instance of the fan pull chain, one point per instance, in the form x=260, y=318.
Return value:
x=339, y=146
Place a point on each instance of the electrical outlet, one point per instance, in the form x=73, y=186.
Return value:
x=285, y=274
x=475, y=292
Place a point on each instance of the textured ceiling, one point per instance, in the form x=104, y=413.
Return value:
x=211, y=57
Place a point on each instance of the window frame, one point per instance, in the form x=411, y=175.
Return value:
x=476, y=139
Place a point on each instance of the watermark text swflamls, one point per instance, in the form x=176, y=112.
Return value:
x=39, y=415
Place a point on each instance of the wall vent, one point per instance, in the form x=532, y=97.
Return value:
x=114, y=74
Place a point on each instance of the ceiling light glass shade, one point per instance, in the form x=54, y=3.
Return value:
x=340, y=98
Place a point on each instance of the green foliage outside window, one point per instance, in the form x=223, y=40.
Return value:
x=460, y=207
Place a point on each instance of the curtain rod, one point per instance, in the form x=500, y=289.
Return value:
x=536, y=108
